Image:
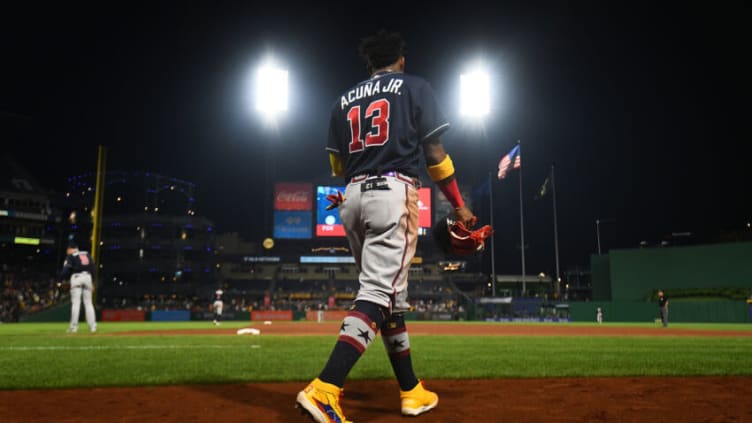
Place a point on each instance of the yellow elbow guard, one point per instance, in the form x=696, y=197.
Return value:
x=441, y=171
x=338, y=166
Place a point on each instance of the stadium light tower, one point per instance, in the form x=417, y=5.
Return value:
x=271, y=90
x=475, y=104
x=475, y=94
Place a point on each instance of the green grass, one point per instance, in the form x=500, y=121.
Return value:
x=42, y=356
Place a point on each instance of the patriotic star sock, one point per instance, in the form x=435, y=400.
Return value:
x=358, y=330
x=397, y=343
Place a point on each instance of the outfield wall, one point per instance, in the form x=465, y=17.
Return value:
x=125, y=315
x=600, y=272
x=685, y=312
x=61, y=313
x=635, y=274
x=57, y=313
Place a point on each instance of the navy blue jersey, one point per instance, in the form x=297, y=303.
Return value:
x=380, y=124
x=76, y=263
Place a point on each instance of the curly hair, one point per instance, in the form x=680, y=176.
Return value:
x=382, y=49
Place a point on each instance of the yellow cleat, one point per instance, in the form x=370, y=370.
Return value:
x=418, y=400
x=320, y=400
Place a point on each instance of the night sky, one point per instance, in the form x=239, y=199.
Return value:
x=644, y=109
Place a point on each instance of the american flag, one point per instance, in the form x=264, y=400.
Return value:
x=511, y=160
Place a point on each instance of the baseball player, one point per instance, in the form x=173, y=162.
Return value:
x=218, y=305
x=79, y=267
x=663, y=308
x=599, y=315
x=378, y=130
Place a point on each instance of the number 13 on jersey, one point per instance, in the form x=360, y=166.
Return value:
x=377, y=114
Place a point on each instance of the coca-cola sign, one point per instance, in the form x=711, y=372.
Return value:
x=292, y=196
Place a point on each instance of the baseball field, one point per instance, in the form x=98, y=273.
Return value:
x=487, y=372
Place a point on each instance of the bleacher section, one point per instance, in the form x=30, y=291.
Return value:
x=471, y=285
x=292, y=286
x=304, y=286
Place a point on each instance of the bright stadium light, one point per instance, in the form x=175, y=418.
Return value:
x=271, y=90
x=475, y=94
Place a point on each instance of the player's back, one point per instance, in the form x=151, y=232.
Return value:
x=379, y=124
x=80, y=262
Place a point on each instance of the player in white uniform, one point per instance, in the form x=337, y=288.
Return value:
x=218, y=305
x=79, y=267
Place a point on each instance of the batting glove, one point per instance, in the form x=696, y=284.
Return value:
x=336, y=200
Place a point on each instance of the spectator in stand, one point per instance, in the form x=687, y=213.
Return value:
x=25, y=292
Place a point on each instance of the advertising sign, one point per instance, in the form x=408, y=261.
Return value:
x=424, y=207
x=293, y=196
x=327, y=221
x=293, y=224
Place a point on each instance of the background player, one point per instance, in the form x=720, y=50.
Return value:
x=663, y=308
x=218, y=306
x=377, y=132
x=79, y=267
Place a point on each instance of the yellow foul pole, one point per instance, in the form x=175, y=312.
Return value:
x=96, y=212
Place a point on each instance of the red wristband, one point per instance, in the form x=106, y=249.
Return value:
x=452, y=193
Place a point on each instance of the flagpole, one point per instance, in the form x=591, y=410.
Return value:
x=522, y=227
x=493, y=250
x=556, y=230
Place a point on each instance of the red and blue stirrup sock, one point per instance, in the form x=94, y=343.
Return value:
x=357, y=333
x=397, y=343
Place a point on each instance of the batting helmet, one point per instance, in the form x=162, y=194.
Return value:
x=454, y=238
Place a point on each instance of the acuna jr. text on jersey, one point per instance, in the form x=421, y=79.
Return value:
x=371, y=88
